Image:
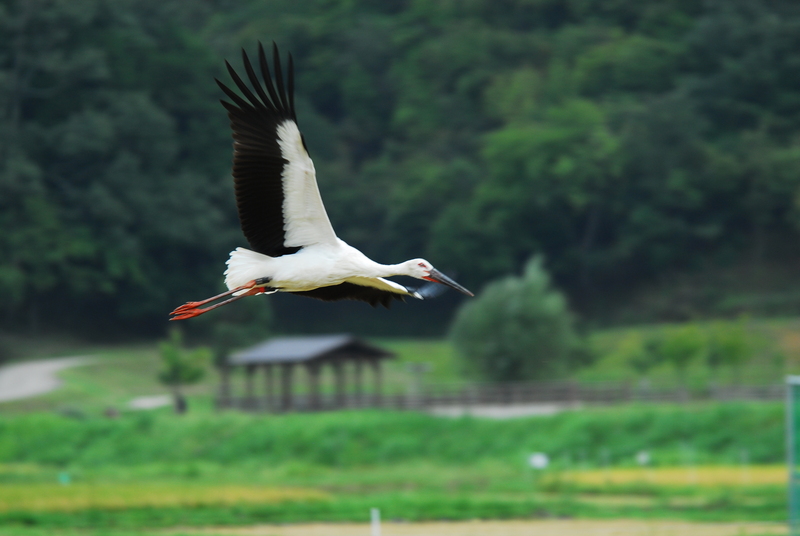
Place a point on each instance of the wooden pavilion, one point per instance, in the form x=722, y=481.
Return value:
x=339, y=352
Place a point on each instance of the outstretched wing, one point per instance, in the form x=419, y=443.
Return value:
x=279, y=205
x=373, y=290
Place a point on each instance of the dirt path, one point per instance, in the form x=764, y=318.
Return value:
x=515, y=528
x=503, y=411
x=32, y=378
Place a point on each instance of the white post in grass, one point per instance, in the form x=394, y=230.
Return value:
x=744, y=456
x=375, y=516
x=689, y=461
x=643, y=459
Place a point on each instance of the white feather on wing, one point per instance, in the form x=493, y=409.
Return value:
x=382, y=284
x=305, y=219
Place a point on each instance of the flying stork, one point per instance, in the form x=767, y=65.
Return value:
x=294, y=247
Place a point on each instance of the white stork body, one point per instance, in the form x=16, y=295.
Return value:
x=294, y=246
x=313, y=267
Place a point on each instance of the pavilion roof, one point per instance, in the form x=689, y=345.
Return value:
x=307, y=348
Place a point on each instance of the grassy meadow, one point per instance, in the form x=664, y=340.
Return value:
x=66, y=468
x=156, y=469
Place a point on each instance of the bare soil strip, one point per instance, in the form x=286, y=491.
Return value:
x=515, y=528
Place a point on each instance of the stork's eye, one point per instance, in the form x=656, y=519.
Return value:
x=421, y=265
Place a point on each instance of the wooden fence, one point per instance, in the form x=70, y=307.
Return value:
x=557, y=393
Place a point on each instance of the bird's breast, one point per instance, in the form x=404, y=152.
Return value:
x=311, y=268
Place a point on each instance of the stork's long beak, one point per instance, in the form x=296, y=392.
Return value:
x=438, y=277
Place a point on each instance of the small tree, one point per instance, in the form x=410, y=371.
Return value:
x=642, y=354
x=181, y=367
x=519, y=328
x=728, y=345
x=680, y=347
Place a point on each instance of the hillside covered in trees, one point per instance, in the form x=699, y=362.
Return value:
x=625, y=140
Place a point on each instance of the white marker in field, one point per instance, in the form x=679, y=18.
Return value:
x=744, y=456
x=375, y=517
x=643, y=458
x=538, y=460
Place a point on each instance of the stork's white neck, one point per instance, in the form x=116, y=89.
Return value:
x=366, y=267
x=388, y=270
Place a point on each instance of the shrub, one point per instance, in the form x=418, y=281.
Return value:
x=519, y=328
x=681, y=346
x=642, y=353
x=181, y=367
x=728, y=345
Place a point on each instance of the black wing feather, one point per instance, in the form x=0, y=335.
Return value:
x=240, y=102
x=291, y=86
x=257, y=160
x=242, y=86
x=351, y=291
x=276, y=61
x=265, y=73
x=251, y=75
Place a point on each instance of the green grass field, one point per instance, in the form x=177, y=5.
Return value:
x=161, y=470
x=66, y=469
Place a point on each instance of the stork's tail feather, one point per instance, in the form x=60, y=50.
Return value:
x=245, y=265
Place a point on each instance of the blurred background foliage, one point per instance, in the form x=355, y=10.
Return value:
x=649, y=149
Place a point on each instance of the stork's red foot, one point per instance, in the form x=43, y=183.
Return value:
x=192, y=309
x=186, y=307
x=177, y=315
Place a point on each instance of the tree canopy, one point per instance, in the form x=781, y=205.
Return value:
x=621, y=139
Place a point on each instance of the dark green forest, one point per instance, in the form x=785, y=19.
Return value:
x=625, y=140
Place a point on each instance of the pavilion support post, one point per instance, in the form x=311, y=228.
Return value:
x=376, y=371
x=338, y=374
x=313, y=386
x=269, y=391
x=286, y=386
x=224, y=386
x=249, y=394
x=359, y=381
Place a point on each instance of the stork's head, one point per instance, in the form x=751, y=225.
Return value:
x=422, y=269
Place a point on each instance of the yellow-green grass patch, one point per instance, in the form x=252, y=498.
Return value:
x=85, y=496
x=706, y=476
